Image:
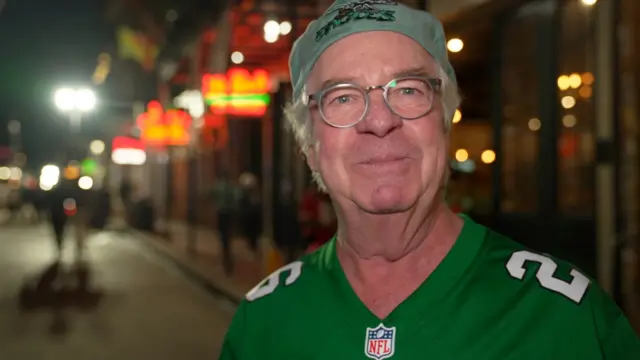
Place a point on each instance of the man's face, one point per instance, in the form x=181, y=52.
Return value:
x=383, y=164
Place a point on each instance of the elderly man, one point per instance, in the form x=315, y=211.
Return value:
x=405, y=278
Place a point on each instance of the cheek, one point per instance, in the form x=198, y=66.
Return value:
x=429, y=135
x=332, y=152
x=332, y=144
x=330, y=155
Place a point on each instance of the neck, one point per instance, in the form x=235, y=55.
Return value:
x=393, y=246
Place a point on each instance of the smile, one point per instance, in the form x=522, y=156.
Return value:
x=386, y=166
x=384, y=160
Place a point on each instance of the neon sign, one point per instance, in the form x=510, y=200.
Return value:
x=160, y=128
x=128, y=151
x=237, y=92
x=125, y=142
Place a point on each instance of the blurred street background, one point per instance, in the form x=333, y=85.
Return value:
x=121, y=304
x=148, y=180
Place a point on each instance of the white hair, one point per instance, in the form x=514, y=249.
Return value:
x=299, y=118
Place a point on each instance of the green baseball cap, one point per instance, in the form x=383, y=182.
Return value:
x=348, y=17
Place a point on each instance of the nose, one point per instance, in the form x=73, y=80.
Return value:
x=379, y=120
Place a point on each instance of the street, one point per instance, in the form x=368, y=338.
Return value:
x=123, y=303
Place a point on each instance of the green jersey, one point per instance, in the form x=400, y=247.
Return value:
x=490, y=298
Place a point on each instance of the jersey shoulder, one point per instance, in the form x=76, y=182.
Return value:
x=282, y=305
x=543, y=281
x=296, y=279
x=515, y=265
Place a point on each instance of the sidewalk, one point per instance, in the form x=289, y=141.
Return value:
x=205, y=261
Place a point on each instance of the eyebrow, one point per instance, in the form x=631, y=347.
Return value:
x=414, y=71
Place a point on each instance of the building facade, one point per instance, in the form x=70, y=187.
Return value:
x=550, y=87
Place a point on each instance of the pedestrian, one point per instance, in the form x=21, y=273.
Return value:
x=250, y=210
x=405, y=278
x=126, y=193
x=62, y=205
x=225, y=198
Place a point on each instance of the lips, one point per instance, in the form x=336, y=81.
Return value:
x=383, y=159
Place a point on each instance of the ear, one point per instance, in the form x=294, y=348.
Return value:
x=312, y=158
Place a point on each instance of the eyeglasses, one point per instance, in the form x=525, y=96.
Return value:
x=344, y=105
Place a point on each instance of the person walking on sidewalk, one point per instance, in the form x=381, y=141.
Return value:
x=57, y=213
x=250, y=210
x=68, y=205
x=126, y=195
x=226, y=196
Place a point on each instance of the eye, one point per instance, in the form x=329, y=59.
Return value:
x=408, y=91
x=410, y=87
x=341, y=96
x=342, y=99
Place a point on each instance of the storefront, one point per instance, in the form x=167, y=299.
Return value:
x=628, y=110
x=550, y=107
x=543, y=119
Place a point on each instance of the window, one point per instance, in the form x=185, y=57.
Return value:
x=472, y=158
x=576, y=141
x=521, y=120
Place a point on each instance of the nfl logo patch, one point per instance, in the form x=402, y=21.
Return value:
x=380, y=342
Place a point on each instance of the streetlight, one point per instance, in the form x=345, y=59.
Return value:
x=237, y=57
x=455, y=45
x=85, y=183
x=75, y=102
x=96, y=147
x=273, y=30
x=285, y=28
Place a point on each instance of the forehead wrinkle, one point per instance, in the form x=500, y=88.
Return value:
x=427, y=68
x=409, y=71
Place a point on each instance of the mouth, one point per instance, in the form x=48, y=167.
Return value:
x=384, y=160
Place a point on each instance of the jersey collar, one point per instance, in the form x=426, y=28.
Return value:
x=429, y=296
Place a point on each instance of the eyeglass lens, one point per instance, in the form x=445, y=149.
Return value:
x=345, y=105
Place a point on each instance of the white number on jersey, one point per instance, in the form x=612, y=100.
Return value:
x=573, y=290
x=269, y=285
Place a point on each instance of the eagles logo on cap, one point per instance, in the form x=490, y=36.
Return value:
x=357, y=10
x=361, y=5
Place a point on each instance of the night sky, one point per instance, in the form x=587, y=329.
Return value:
x=45, y=45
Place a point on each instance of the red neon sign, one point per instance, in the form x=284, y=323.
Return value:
x=125, y=142
x=237, y=92
x=160, y=128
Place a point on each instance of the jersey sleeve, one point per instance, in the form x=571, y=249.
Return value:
x=621, y=342
x=618, y=340
x=234, y=339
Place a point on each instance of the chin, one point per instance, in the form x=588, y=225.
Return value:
x=386, y=198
